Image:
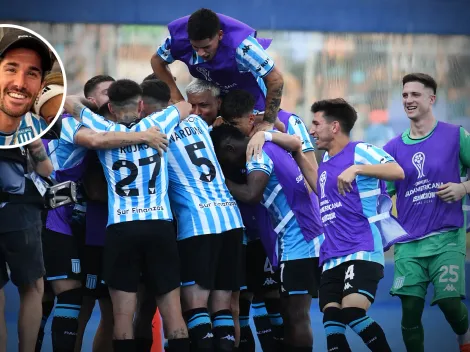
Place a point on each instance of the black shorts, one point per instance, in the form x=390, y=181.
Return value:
x=146, y=247
x=299, y=277
x=92, y=266
x=355, y=276
x=61, y=256
x=212, y=261
x=22, y=251
x=260, y=275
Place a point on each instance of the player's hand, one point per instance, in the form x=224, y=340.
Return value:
x=451, y=192
x=255, y=146
x=157, y=140
x=346, y=179
x=218, y=121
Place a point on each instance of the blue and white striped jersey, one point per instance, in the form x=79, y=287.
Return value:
x=250, y=61
x=199, y=197
x=291, y=242
x=296, y=127
x=31, y=125
x=63, y=153
x=369, y=189
x=137, y=176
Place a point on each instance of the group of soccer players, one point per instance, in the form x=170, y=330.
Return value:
x=208, y=207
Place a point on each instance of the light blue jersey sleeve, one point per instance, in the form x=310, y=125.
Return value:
x=94, y=121
x=368, y=154
x=297, y=128
x=251, y=56
x=167, y=119
x=70, y=126
x=164, y=51
x=263, y=163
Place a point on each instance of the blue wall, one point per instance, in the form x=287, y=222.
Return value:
x=392, y=16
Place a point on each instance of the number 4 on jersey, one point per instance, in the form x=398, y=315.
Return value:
x=349, y=273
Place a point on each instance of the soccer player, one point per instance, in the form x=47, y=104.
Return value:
x=205, y=99
x=63, y=268
x=222, y=50
x=429, y=205
x=352, y=254
x=140, y=237
x=24, y=60
x=275, y=180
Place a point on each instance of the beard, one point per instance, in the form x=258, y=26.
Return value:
x=15, y=113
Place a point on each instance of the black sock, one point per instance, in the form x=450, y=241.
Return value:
x=143, y=344
x=47, y=307
x=65, y=321
x=124, y=345
x=263, y=325
x=369, y=331
x=199, y=329
x=178, y=345
x=247, y=341
x=335, y=330
x=223, y=330
x=273, y=306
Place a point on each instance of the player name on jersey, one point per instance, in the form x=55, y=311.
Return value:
x=185, y=132
x=133, y=148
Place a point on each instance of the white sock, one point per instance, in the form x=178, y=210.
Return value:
x=464, y=339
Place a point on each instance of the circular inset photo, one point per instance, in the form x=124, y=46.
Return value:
x=33, y=86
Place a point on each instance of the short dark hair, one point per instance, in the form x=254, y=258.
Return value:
x=156, y=90
x=150, y=77
x=225, y=132
x=337, y=110
x=423, y=78
x=203, y=24
x=91, y=84
x=236, y=104
x=124, y=94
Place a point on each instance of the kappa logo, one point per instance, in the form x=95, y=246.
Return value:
x=399, y=281
x=246, y=49
x=269, y=281
x=208, y=336
x=347, y=286
x=418, y=162
x=228, y=337
x=450, y=288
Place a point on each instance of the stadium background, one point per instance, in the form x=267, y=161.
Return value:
x=358, y=50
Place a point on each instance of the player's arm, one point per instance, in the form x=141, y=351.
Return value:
x=251, y=56
x=285, y=141
x=452, y=192
x=259, y=170
x=252, y=190
x=374, y=162
x=109, y=140
x=160, y=65
x=41, y=163
x=93, y=133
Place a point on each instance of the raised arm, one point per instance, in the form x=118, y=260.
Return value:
x=274, y=85
x=285, y=141
x=160, y=65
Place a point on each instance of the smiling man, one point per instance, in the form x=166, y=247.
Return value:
x=24, y=59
